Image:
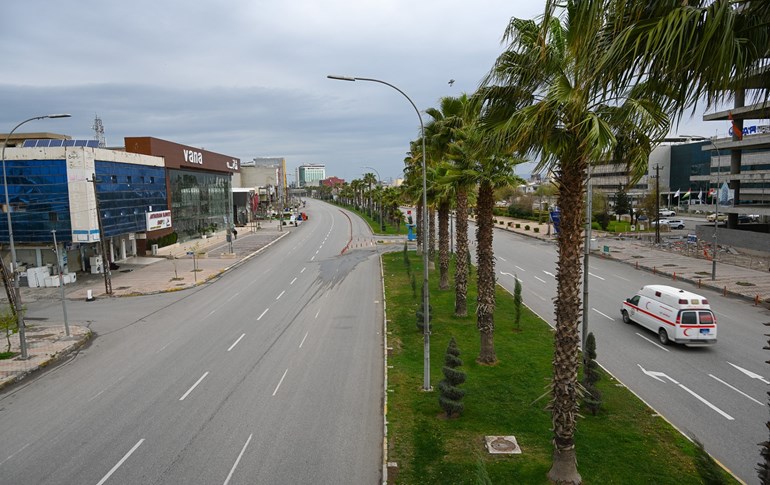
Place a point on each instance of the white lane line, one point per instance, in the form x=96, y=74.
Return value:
x=211, y=312
x=240, y=455
x=736, y=390
x=538, y=279
x=103, y=390
x=720, y=314
x=317, y=251
x=653, y=342
x=303, y=270
x=279, y=296
x=502, y=259
x=316, y=313
x=279, y=382
x=549, y=274
x=602, y=314
x=311, y=259
x=303, y=339
x=292, y=281
x=163, y=348
x=194, y=386
x=752, y=375
x=15, y=453
x=122, y=460
x=599, y=277
x=520, y=268
x=624, y=279
x=234, y=295
x=262, y=314
x=699, y=398
x=236, y=342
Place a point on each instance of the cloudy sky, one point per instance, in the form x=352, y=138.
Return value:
x=248, y=78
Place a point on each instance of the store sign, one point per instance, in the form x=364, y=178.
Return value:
x=158, y=220
x=191, y=156
x=753, y=130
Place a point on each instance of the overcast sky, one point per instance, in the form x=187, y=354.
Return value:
x=248, y=78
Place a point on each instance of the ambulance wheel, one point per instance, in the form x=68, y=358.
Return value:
x=663, y=336
x=626, y=318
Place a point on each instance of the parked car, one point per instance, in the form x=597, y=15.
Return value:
x=713, y=217
x=744, y=218
x=662, y=222
x=666, y=213
x=676, y=223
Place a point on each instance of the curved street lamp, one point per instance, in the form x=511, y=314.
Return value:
x=426, y=297
x=19, y=316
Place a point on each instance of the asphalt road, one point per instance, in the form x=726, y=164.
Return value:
x=272, y=374
x=715, y=394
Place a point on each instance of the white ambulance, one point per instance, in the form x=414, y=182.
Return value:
x=675, y=315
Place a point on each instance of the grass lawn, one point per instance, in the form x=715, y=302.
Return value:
x=374, y=222
x=624, y=444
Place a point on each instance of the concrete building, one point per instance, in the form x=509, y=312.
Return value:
x=310, y=174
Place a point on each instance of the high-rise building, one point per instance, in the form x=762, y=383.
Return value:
x=310, y=174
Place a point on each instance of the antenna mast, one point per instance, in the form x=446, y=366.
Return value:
x=99, y=131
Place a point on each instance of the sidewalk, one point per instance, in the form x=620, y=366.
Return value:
x=173, y=269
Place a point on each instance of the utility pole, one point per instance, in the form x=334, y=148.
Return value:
x=61, y=283
x=657, y=203
x=102, y=242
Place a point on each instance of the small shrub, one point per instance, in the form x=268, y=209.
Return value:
x=593, y=397
x=518, y=225
x=510, y=224
x=450, y=397
x=517, y=303
x=526, y=228
x=536, y=229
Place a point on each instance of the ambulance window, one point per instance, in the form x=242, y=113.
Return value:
x=635, y=300
x=706, y=318
x=689, y=318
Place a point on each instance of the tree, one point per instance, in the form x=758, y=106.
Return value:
x=592, y=397
x=369, y=180
x=8, y=324
x=450, y=396
x=622, y=204
x=517, y=303
x=544, y=97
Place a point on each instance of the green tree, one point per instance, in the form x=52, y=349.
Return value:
x=369, y=180
x=517, y=303
x=592, y=397
x=450, y=396
x=544, y=97
x=8, y=324
x=622, y=203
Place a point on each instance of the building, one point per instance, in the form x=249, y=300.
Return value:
x=310, y=174
x=199, y=185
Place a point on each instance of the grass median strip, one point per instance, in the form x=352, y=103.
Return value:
x=624, y=443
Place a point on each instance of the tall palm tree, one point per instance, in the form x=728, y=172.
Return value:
x=370, y=179
x=544, y=97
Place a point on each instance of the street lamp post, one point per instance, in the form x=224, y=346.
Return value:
x=716, y=216
x=16, y=275
x=426, y=297
x=379, y=182
x=60, y=270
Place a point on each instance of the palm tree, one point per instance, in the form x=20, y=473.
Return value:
x=370, y=179
x=544, y=97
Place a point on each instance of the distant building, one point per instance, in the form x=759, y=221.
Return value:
x=332, y=182
x=311, y=174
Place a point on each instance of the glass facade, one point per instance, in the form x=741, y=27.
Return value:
x=689, y=159
x=38, y=195
x=200, y=202
x=126, y=193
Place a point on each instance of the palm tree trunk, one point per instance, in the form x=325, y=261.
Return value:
x=443, y=245
x=485, y=312
x=432, y=236
x=564, y=401
x=461, y=261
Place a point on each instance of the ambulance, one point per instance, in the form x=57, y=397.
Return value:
x=675, y=315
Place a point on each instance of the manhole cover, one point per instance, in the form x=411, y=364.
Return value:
x=502, y=445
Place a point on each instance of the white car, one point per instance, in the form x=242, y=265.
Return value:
x=676, y=223
x=666, y=213
x=662, y=222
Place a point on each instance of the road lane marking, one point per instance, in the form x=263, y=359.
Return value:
x=502, y=259
x=194, y=386
x=602, y=314
x=303, y=270
x=103, y=390
x=236, y=342
x=279, y=296
x=735, y=389
x=303, y=339
x=658, y=377
x=653, y=342
x=538, y=279
x=240, y=455
x=262, y=314
x=316, y=313
x=317, y=251
x=122, y=460
x=15, y=453
x=752, y=375
x=234, y=295
x=599, y=277
x=520, y=268
x=211, y=312
x=163, y=348
x=549, y=274
x=311, y=259
x=292, y=281
x=279, y=382
x=624, y=279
